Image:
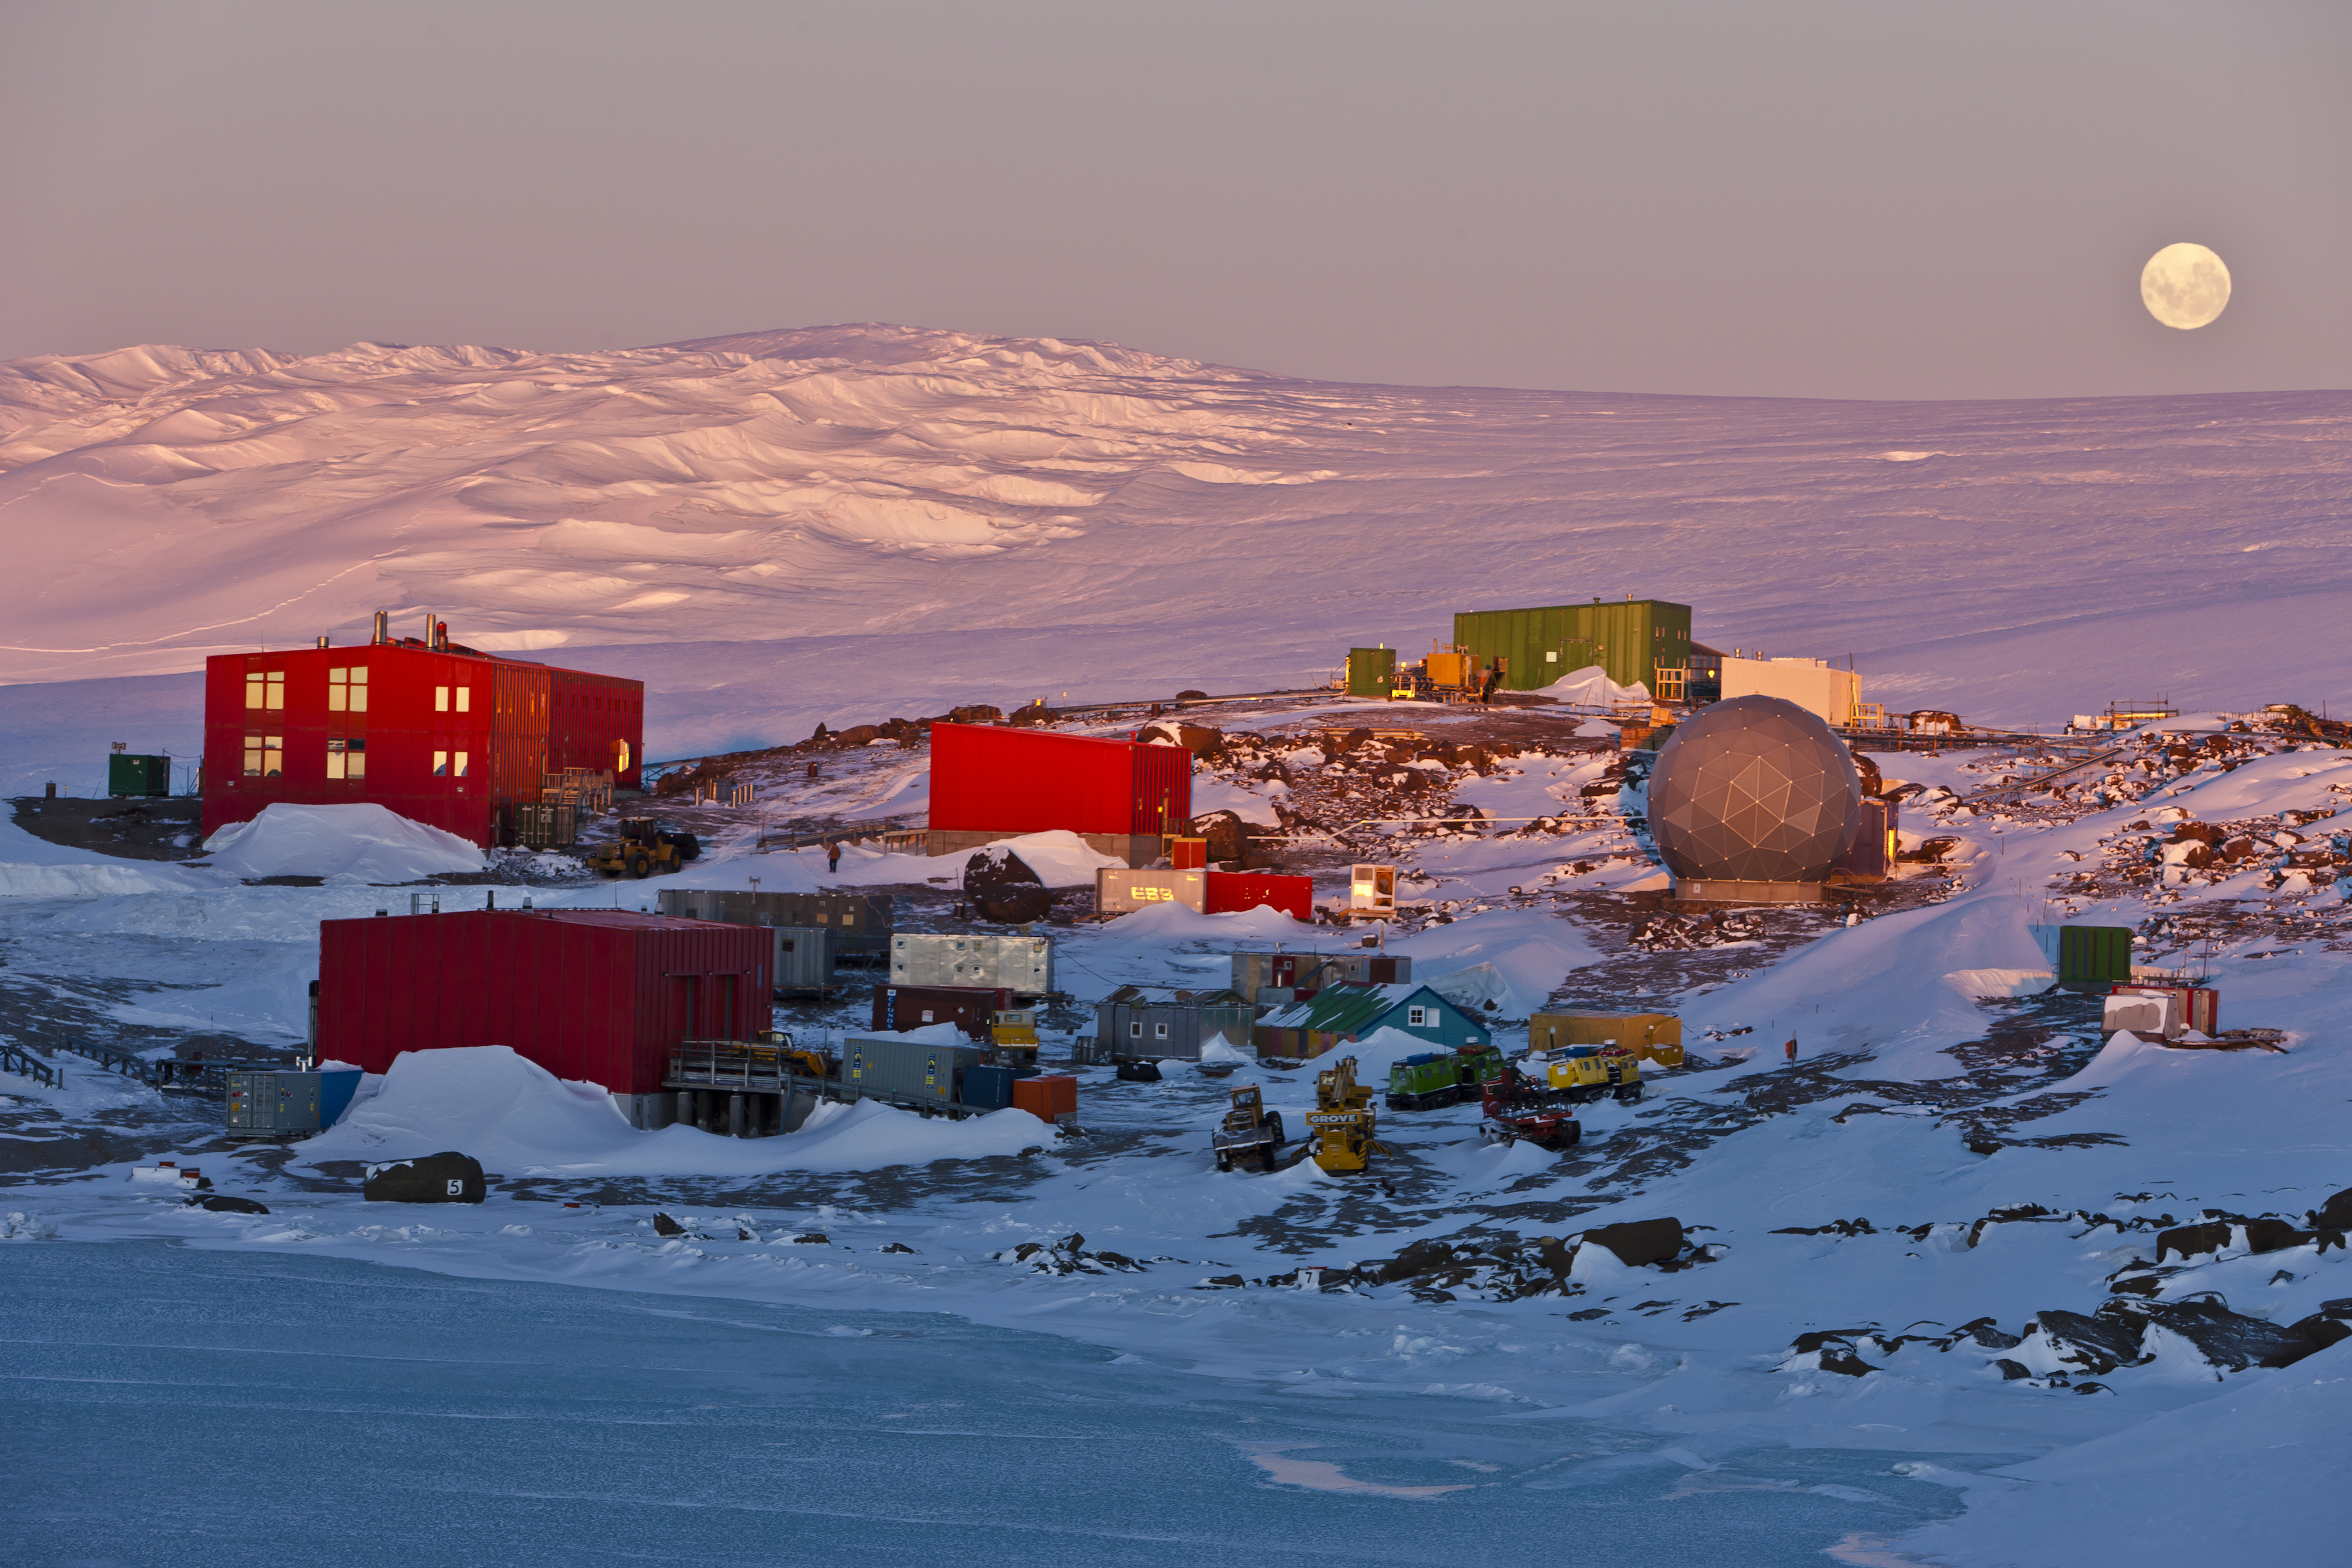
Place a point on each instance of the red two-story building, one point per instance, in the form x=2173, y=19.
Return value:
x=444, y=734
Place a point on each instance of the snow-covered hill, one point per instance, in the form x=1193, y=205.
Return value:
x=955, y=516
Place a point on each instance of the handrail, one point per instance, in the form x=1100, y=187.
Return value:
x=209, y=1075
x=16, y=1059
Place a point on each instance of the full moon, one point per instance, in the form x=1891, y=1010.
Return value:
x=2184, y=285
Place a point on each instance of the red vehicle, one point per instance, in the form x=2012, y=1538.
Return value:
x=1516, y=1106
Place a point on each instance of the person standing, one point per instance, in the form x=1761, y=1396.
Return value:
x=833, y=865
x=1791, y=1049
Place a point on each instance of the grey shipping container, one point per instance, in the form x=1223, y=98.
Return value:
x=546, y=826
x=268, y=1104
x=1160, y=1022
x=860, y=922
x=1290, y=973
x=1122, y=892
x=803, y=958
x=906, y=1069
x=1023, y=964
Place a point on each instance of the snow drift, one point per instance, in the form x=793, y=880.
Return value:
x=342, y=843
x=519, y=1119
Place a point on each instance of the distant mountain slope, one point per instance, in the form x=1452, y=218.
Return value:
x=2016, y=559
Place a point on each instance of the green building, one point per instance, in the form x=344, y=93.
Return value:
x=1372, y=672
x=1644, y=640
x=127, y=774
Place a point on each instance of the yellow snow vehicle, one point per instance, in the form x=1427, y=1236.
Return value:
x=1335, y=1088
x=1339, y=1129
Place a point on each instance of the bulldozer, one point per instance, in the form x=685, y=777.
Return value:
x=1340, y=1126
x=643, y=848
x=1250, y=1130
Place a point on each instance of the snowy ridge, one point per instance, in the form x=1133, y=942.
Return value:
x=1112, y=521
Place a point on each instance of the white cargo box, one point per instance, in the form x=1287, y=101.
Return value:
x=1118, y=890
x=2149, y=1016
x=1024, y=965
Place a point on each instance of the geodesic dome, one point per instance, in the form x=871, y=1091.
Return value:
x=1753, y=789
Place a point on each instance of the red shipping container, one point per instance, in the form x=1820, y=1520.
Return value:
x=1189, y=854
x=1046, y=1098
x=972, y=1009
x=987, y=780
x=1237, y=890
x=596, y=995
x=445, y=736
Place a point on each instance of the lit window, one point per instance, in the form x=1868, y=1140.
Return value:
x=464, y=699
x=440, y=699
x=457, y=764
x=265, y=755
x=264, y=689
x=440, y=765
x=346, y=758
x=347, y=690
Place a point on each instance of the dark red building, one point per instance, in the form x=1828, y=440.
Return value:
x=594, y=994
x=444, y=734
x=1005, y=780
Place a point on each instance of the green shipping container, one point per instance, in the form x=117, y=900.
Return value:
x=1372, y=672
x=128, y=775
x=1632, y=639
x=2094, y=955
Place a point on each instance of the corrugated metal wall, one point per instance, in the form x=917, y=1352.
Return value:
x=425, y=709
x=991, y=780
x=600, y=996
x=1628, y=638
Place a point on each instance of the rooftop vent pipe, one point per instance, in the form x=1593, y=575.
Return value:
x=383, y=626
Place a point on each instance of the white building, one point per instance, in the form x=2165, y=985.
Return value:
x=1831, y=695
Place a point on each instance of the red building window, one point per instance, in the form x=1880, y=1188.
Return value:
x=264, y=689
x=347, y=758
x=265, y=755
x=346, y=690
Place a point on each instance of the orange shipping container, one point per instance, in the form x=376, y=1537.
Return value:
x=1046, y=1098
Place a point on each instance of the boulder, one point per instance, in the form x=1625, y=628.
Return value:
x=1228, y=838
x=2098, y=1343
x=994, y=871
x=1420, y=1258
x=222, y=1203
x=445, y=1177
x=1873, y=782
x=2336, y=1214
x=858, y=735
x=2272, y=1236
x=1004, y=887
x=2190, y=1240
x=1192, y=695
x=1639, y=1241
x=2231, y=1339
x=1197, y=738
